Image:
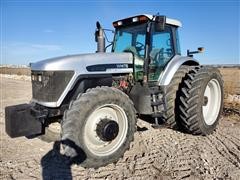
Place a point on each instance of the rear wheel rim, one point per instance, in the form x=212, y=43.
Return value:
x=93, y=142
x=212, y=102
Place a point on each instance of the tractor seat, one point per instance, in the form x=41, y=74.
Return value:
x=156, y=57
x=131, y=49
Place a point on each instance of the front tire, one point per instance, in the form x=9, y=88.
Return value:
x=102, y=123
x=201, y=100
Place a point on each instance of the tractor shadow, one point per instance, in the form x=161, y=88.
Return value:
x=57, y=166
x=150, y=120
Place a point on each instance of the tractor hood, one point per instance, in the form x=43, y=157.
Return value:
x=88, y=63
x=66, y=71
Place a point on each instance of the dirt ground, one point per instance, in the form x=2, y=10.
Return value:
x=154, y=154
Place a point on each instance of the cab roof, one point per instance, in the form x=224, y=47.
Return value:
x=169, y=21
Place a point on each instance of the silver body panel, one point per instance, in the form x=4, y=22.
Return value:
x=78, y=64
x=172, y=67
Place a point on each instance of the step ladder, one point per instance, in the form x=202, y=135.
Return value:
x=159, y=104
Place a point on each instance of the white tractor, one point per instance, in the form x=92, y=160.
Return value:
x=97, y=97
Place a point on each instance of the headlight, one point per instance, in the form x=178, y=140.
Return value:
x=37, y=77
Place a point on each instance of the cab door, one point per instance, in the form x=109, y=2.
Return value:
x=162, y=51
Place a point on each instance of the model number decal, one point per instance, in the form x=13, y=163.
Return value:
x=104, y=67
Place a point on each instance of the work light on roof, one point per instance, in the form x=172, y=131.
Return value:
x=135, y=19
x=119, y=23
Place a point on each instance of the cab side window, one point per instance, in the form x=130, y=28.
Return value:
x=162, y=49
x=161, y=52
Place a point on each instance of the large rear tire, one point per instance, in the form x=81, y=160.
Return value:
x=201, y=100
x=101, y=122
x=171, y=96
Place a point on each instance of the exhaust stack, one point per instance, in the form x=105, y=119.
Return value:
x=99, y=38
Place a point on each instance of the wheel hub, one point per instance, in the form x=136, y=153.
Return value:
x=205, y=101
x=107, y=129
x=102, y=136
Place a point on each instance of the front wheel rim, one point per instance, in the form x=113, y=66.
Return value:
x=93, y=142
x=212, y=102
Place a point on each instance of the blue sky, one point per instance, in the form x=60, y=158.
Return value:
x=36, y=30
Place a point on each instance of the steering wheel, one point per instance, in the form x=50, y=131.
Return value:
x=139, y=46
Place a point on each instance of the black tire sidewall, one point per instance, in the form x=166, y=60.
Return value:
x=207, y=129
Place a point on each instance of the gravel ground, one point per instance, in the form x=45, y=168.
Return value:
x=154, y=154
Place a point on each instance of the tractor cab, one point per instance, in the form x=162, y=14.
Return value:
x=153, y=41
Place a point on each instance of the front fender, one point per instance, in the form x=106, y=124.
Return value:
x=172, y=67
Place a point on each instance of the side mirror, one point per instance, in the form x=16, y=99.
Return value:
x=199, y=50
x=160, y=22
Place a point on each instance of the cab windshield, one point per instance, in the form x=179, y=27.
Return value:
x=131, y=39
x=161, y=49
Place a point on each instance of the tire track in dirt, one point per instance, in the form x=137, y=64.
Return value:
x=231, y=139
x=221, y=149
x=220, y=161
x=231, y=147
x=237, y=131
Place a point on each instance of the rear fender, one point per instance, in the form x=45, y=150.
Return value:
x=172, y=67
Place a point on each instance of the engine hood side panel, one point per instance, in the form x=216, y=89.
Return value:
x=79, y=64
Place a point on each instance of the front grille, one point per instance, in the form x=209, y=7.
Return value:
x=47, y=86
